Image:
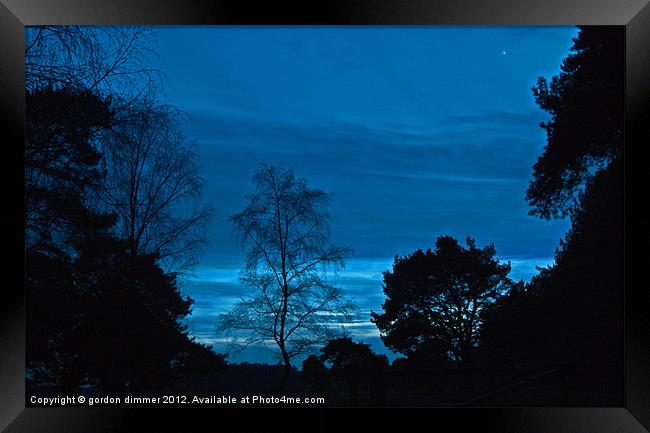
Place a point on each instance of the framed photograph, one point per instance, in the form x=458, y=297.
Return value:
x=362, y=204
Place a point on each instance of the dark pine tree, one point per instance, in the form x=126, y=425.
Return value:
x=132, y=329
x=585, y=132
x=572, y=312
x=434, y=301
x=61, y=167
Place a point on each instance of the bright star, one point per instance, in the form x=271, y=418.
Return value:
x=504, y=52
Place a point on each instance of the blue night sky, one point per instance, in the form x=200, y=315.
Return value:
x=416, y=131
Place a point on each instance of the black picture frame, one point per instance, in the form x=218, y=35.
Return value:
x=633, y=416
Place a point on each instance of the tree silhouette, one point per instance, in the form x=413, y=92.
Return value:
x=314, y=373
x=105, y=60
x=343, y=354
x=356, y=363
x=132, y=315
x=285, y=231
x=115, y=321
x=61, y=171
x=435, y=299
x=153, y=186
x=53, y=311
x=514, y=328
x=583, y=289
x=585, y=132
x=62, y=166
x=198, y=358
x=580, y=174
x=100, y=312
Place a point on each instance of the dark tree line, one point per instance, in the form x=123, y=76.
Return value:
x=572, y=311
x=451, y=305
x=100, y=312
x=580, y=174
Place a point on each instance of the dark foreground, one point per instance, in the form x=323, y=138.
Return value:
x=506, y=385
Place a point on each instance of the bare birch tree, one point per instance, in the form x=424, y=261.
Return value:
x=101, y=59
x=285, y=231
x=154, y=186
